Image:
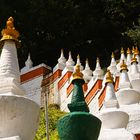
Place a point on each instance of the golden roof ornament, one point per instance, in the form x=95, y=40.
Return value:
x=133, y=49
x=136, y=51
x=78, y=56
x=77, y=74
x=128, y=51
x=122, y=50
x=123, y=66
x=109, y=77
x=134, y=59
x=9, y=33
x=112, y=55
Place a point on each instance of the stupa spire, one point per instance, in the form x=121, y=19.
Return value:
x=62, y=59
x=29, y=62
x=79, y=62
x=124, y=81
x=112, y=66
x=128, y=59
x=110, y=98
x=70, y=61
x=122, y=55
x=98, y=72
x=136, y=54
x=133, y=49
x=123, y=66
x=87, y=71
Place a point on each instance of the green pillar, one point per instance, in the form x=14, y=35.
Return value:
x=78, y=124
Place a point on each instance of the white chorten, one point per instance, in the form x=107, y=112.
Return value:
x=28, y=64
x=87, y=72
x=113, y=67
x=126, y=95
x=110, y=98
x=19, y=116
x=128, y=59
x=98, y=72
x=112, y=119
x=136, y=54
x=79, y=62
x=121, y=59
x=61, y=62
x=62, y=59
x=134, y=72
x=135, y=75
x=124, y=81
x=70, y=63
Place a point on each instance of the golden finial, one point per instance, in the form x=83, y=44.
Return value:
x=77, y=74
x=134, y=59
x=136, y=51
x=9, y=33
x=123, y=66
x=128, y=51
x=133, y=49
x=109, y=78
x=78, y=56
x=112, y=55
x=122, y=50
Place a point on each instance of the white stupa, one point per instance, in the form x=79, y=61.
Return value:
x=121, y=59
x=113, y=120
x=61, y=62
x=19, y=116
x=98, y=72
x=128, y=59
x=87, y=72
x=126, y=95
x=28, y=65
x=70, y=63
x=78, y=62
x=113, y=67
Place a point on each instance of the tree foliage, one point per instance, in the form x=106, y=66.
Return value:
x=93, y=26
x=134, y=33
x=54, y=114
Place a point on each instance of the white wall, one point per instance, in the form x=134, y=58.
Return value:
x=33, y=89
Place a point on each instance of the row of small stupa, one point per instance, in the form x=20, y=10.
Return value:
x=131, y=58
x=120, y=108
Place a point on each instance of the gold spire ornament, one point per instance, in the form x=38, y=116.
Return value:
x=112, y=55
x=134, y=59
x=136, y=51
x=9, y=33
x=78, y=56
x=77, y=74
x=122, y=50
x=123, y=66
x=128, y=51
x=109, y=77
x=133, y=49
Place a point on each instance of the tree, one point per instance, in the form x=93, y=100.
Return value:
x=134, y=33
x=93, y=26
x=54, y=114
